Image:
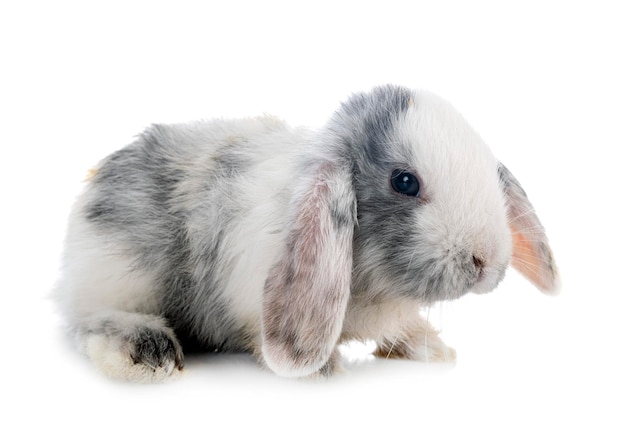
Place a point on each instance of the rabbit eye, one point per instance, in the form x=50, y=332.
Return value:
x=405, y=183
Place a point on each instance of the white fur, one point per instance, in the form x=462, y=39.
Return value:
x=390, y=320
x=98, y=275
x=455, y=163
x=255, y=243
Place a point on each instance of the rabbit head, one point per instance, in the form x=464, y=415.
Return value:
x=398, y=197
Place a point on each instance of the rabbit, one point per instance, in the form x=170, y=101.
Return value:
x=249, y=235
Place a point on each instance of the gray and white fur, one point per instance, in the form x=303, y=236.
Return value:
x=250, y=235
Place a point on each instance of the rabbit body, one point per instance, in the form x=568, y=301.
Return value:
x=250, y=235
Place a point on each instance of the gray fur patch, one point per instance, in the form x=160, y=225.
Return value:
x=507, y=180
x=385, y=237
x=134, y=197
x=366, y=120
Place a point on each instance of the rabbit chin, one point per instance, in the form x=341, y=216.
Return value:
x=488, y=282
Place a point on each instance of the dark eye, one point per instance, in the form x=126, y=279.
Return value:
x=405, y=183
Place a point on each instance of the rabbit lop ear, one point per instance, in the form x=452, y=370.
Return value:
x=532, y=256
x=307, y=290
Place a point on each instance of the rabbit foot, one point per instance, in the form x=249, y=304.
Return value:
x=421, y=344
x=137, y=352
x=146, y=356
x=430, y=351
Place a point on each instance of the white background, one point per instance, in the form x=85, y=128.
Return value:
x=543, y=83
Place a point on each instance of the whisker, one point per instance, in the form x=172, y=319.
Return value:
x=530, y=261
x=547, y=261
x=531, y=240
x=539, y=257
x=406, y=274
x=532, y=268
x=391, y=347
x=531, y=229
x=522, y=215
x=426, y=334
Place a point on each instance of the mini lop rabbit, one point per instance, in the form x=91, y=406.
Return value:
x=249, y=235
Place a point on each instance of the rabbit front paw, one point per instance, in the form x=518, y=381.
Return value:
x=420, y=344
x=432, y=351
x=144, y=354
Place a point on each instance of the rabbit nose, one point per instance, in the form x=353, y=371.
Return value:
x=479, y=264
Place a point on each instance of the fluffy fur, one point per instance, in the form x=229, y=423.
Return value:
x=250, y=235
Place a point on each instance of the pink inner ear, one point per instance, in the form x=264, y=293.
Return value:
x=535, y=262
